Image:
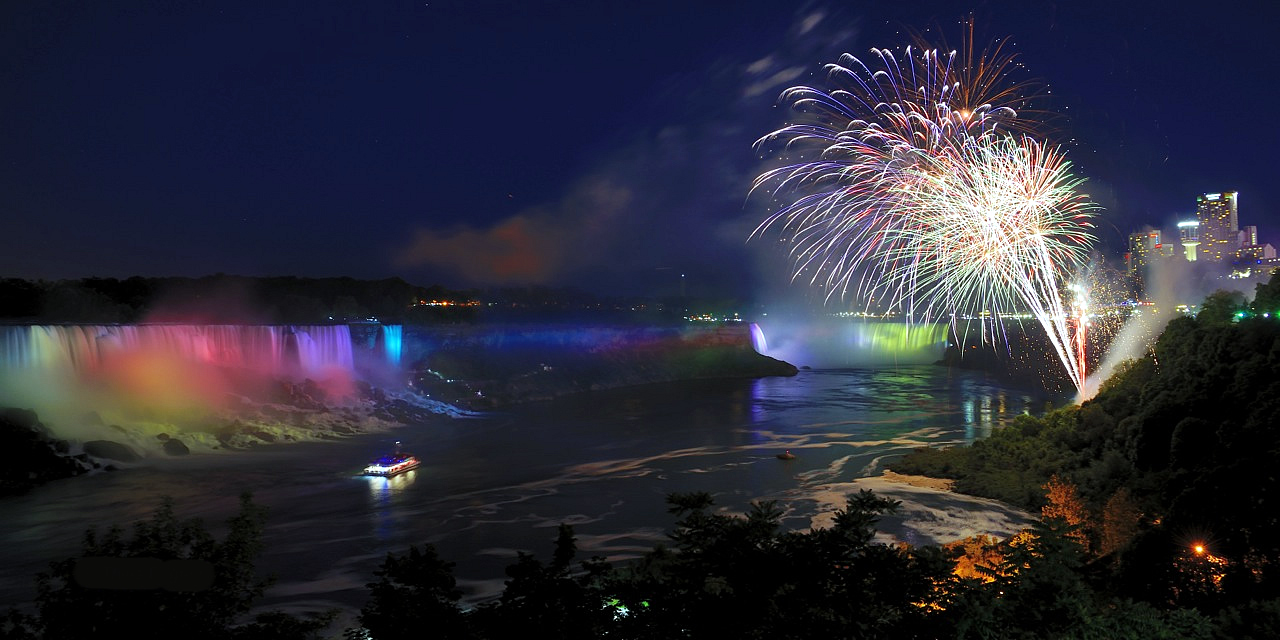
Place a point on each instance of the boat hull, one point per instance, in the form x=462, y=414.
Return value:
x=387, y=470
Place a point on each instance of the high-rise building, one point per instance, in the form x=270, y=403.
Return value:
x=1142, y=251
x=1253, y=253
x=1189, y=236
x=1219, y=227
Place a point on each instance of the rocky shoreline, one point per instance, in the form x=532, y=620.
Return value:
x=34, y=453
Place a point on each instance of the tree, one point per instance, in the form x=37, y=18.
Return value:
x=976, y=557
x=742, y=576
x=1220, y=307
x=1063, y=502
x=552, y=599
x=172, y=578
x=1120, y=518
x=16, y=625
x=1038, y=591
x=414, y=592
x=1266, y=297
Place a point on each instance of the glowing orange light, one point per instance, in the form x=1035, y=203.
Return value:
x=1199, y=549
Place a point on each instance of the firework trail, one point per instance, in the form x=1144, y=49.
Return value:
x=913, y=185
x=996, y=227
x=1080, y=325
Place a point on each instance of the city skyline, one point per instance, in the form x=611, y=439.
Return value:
x=1197, y=234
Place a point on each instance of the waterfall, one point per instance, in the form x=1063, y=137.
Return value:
x=392, y=341
x=323, y=347
x=288, y=351
x=849, y=342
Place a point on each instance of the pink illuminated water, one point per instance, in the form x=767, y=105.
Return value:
x=275, y=350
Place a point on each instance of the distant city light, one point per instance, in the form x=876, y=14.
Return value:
x=446, y=303
x=711, y=317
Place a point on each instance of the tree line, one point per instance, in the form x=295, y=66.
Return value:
x=233, y=299
x=225, y=298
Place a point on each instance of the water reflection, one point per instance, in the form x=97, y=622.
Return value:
x=991, y=408
x=883, y=403
x=383, y=494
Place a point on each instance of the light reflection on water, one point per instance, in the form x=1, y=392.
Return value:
x=489, y=486
x=382, y=494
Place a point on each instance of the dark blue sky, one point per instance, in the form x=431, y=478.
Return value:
x=599, y=144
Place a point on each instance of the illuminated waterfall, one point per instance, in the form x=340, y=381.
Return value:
x=173, y=373
x=392, y=342
x=165, y=371
x=290, y=351
x=847, y=342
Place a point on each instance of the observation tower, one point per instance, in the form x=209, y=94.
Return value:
x=1189, y=235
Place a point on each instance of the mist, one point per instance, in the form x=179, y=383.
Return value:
x=90, y=382
x=834, y=342
x=1171, y=282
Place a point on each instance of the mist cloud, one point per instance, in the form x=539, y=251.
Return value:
x=540, y=245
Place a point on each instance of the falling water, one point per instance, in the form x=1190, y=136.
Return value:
x=392, y=341
x=847, y=342
x=289, y=351
x=168, y=372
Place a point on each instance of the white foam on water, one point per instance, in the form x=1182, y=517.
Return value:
x=926, y=516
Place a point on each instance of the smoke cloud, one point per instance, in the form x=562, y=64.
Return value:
x=540, y=245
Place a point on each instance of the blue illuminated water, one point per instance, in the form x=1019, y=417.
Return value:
x=392, y=342
x=502, y=482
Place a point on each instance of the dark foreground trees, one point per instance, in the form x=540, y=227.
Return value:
x=721, y=576
x=747, y=577
x=170, y=579
x=744, y=576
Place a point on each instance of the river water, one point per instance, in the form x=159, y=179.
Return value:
x=501, y=482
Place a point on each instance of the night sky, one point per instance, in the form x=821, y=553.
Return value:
x=602, y=145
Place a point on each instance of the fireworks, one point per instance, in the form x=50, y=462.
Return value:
x=918, y=186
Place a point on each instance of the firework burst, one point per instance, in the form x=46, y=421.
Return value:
x=906, y=186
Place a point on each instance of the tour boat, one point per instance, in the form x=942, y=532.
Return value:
x=391, y=465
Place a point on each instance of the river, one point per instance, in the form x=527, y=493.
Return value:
x=501, y=482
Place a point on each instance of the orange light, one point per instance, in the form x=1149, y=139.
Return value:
x=1199, y=549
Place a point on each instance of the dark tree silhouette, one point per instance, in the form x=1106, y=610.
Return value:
x=171, y=578
x=415, y=593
